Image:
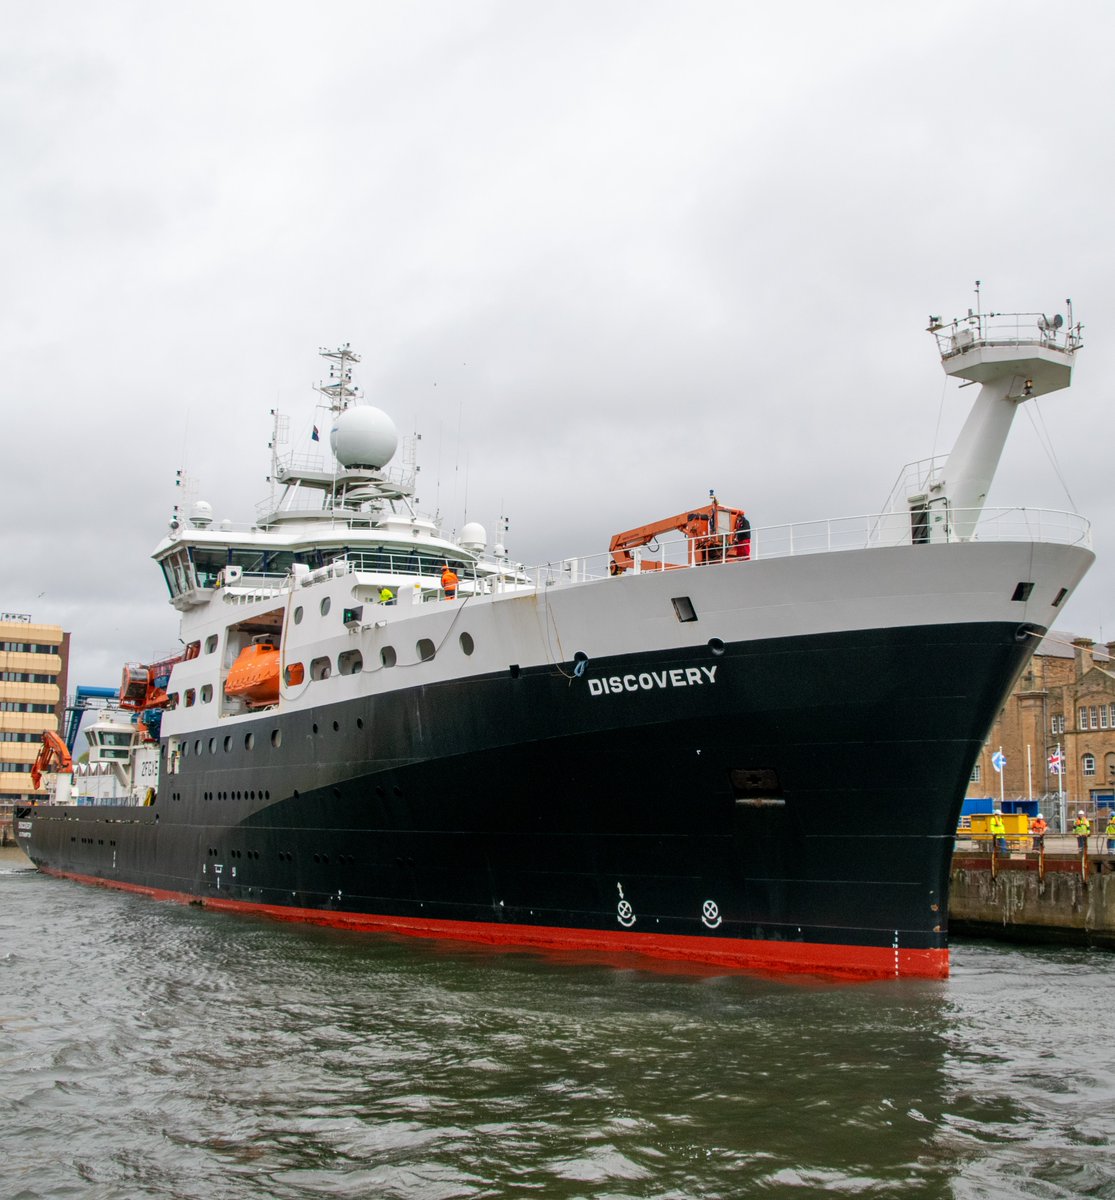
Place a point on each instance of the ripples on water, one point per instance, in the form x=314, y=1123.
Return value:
x=157, y=1050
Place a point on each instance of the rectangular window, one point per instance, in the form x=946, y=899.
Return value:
x=1103, y=716
x=977, y=773
x=1081, y=718
x=1093, y=716
x=683, y=608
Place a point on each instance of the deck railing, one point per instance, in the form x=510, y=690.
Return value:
x=832, y=535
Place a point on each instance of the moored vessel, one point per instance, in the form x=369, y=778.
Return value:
x=745, y=747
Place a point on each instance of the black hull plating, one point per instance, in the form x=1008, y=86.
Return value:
x=806, y=789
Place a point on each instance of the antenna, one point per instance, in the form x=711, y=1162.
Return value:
x=339, y=390
x=280, y=436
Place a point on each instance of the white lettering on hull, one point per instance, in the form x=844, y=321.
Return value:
x=647, y=681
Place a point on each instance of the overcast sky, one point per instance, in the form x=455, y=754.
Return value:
x=603, y=255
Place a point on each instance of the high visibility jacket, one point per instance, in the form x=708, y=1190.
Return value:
x=449, y=580
x=1038, y=828
x=1083, y=827
x=1111, y=827
x=998, y=829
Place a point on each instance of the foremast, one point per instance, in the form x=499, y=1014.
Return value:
x=1014, y=357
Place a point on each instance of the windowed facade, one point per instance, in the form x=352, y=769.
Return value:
x=1061, y=713
x=33, y=678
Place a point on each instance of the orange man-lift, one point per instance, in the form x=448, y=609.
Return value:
x=715, y=533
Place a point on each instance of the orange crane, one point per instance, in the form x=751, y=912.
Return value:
x=54, y=756
x=715, y=533
x=143, y=685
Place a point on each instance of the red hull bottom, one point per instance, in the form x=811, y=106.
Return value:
x=767, y=957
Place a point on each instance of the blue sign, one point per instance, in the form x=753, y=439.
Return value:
x=999, y=761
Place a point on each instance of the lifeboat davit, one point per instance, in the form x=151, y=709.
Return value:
x=254, y=677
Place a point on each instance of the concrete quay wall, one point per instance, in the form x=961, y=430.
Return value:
x=1059, y=900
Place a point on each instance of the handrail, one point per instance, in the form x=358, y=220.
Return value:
x=832, y=535
x=825, y=536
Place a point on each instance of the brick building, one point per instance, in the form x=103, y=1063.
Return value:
x=1065, y=698
x=33, y=678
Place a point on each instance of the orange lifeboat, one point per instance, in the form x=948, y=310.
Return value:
x=254, y=677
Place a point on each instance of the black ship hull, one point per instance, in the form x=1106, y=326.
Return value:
x=785, y=804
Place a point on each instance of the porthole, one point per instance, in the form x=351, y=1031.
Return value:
x=276, y=738
x=325, y=603
x=249, y=741
x=314, y=727
x=359, y=722
x=295, y=674
x=191, y=697
x=336, y=727
x=206, y=693
x=320, y=668
x=350, y=662
x=210, y=643
x=388, y=657
x=298, y=615
x=467, y=644
x=228, y=742
x=716, y=645
x=212, y=745
x=197, y=747
x=425, y=649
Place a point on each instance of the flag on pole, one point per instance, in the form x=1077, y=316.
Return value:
x=1056, y=762
x=999, y=761
x=315, y=436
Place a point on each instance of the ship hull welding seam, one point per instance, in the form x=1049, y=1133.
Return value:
x=744, y=748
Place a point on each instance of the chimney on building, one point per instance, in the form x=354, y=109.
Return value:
x=1082, y=655
x=1111, y=656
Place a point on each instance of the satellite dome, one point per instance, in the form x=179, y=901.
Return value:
x=363, y=437
x=474, y=536
x=201, y=514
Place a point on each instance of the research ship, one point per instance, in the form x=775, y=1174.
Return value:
x=744, y=747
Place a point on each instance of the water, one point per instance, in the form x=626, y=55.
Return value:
x=158, y=1050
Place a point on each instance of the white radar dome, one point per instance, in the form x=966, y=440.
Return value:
x=363, y=437
x=474, y=536
x=201, y=514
